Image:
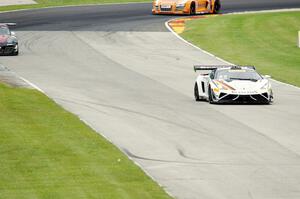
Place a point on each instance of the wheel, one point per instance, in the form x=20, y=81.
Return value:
x=196, y=92
x=210, y=96
x=272, y=97
x=193, y=9
x=15, y=53
x=270, y=101
x=217, y=7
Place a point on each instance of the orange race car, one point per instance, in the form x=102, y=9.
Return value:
x=187, y=7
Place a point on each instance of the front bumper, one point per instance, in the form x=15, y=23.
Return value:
x=172, y=9
x=259, y=98
x=8, y=49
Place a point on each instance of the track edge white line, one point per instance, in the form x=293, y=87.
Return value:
x=130, y=158
x=105, y=137
x=32, y=84
x=220, y=59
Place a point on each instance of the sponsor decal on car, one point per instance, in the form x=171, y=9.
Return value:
x=166, y=6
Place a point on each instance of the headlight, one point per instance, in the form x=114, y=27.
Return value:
x=11, y=41
x=221, y=87
x=180, y=5
x=156, y=3
x=265, y=86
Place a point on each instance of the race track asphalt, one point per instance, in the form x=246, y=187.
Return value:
x=118, y=68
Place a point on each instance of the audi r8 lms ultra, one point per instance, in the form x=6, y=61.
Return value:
x=230, y=84
x=8, y=41
x=187, y=7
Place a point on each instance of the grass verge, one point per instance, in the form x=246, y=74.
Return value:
x=266, y=40
x=52, y=3
x=46, y=152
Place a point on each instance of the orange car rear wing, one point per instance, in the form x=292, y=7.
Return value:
x=9, y=24
x=214, y=67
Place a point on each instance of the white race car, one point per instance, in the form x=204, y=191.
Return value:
x=232, y=84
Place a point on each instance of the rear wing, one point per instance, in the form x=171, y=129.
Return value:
x=8, y=24
x=214, y=67
x=11, y=24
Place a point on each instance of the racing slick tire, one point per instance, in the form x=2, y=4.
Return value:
x=210, y=96
x=270, y=100
x=196, y=92
x=193, y=8
x=15, y=53
x=217, y=7
x=266, y=102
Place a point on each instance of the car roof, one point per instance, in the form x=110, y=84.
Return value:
x=236, y=68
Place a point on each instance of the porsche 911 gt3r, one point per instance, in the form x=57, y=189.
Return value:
x=187, y=7
x=230, y=84
x=8, y=40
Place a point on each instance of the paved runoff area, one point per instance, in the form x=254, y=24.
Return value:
x=132, y=81
x=16, y=2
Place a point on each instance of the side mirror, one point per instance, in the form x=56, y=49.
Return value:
x=267, y=76
x=12, y=33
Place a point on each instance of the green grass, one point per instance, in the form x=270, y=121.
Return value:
x=51, y=3
x=268, y=41
x=46, y=152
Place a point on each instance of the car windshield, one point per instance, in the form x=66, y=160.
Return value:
x=4, y=31
x=238, y=74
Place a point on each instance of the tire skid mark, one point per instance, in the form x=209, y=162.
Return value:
x=85, y=103
x=197, y=161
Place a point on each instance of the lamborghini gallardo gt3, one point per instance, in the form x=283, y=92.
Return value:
x=232, y=84
x=186, y=7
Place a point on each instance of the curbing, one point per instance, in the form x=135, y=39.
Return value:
x=175, y=34
x=185, y=41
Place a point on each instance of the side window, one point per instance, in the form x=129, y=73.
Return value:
x=212, y=75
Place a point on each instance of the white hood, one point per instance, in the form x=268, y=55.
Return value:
x=168, y=1
x=243, y=86
x=246, y=84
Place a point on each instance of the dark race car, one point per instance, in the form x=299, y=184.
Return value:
x=8, y=41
